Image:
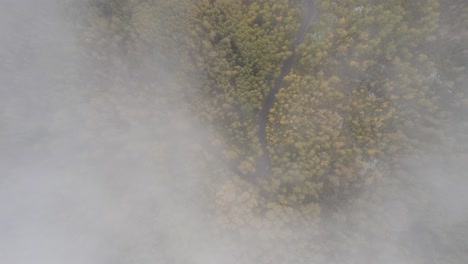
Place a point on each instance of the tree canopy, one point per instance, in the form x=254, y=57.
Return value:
x=312, y=106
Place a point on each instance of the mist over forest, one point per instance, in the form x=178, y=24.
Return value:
x=228, y=131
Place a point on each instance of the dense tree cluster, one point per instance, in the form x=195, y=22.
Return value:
x=312, y=106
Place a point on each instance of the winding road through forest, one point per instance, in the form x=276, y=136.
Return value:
x=264, y=164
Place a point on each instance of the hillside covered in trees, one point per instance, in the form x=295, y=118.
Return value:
x=315, y=125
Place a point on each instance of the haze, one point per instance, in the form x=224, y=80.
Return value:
x=101, y=173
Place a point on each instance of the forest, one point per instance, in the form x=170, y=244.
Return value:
x=316, y=128
x=316, y=111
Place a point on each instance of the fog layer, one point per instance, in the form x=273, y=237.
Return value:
x=84, y=181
